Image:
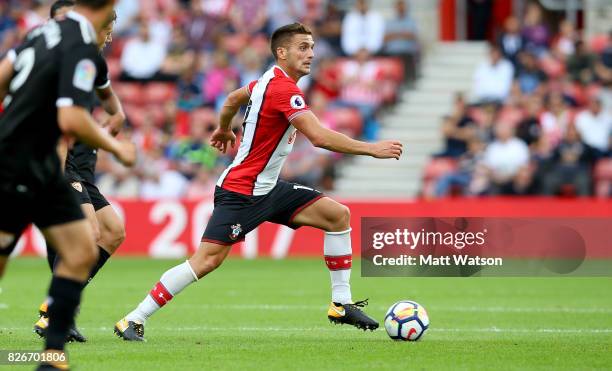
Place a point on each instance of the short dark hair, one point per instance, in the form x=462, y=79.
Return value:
x=93, y=4
x=285, y=33
x=59, y=4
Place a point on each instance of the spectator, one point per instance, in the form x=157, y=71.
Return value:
x=160, y=179
x=179, y=57
x=401, y=39
x=536, y=34
x=511, y=42
x=193, y=152
x=360, y=90
x=127, y=14
x=216, y=78
x=529, y=129
x=282, y=12
x=329, y=28
x=202, y=29
x=248, y=17
x=595, y=127
x=504, y=159
x=362, y=28
x=8, y=28
x=572, y=164
x=580, y=66
x=142, y=58
x=493, y=78
x=458, y=129
x=556, y=119
x=250, y=65
x=189, y=87
x=462, y=177
x=529, y=77
x=564, y=44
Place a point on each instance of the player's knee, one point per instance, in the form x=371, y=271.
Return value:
x=83, y=258
x=95, y=230
x=113, y=236
x=341, y=219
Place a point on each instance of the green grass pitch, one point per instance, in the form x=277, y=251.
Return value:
x=271, y=315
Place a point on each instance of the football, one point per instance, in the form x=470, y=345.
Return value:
x=406, y=320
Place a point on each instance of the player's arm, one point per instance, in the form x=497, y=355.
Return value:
x=322, y=137
x=76, y=84
x=6, y=75
x=232, y=104
x=76, y=121
x=112, y=106
x=223, y=134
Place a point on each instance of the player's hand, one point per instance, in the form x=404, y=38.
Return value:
x=220, y=138
x=126, y=153
x=387, y=149
x=114, y=123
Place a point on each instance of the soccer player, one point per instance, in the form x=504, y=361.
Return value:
x=47, y=86
x=80, y=162
x=249, y=193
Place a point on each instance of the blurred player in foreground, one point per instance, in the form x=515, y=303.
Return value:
x=249, y=193
x=80, y=164
x=47, y=87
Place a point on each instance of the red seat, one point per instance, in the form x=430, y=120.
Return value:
x=135, y=114
x=391, y=68
x=129, y=92
x=438, y=167
x=346, y=120
x=159, y=92
x=602, y=176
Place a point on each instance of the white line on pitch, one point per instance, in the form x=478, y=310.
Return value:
x=331, y=329
x=450, y=308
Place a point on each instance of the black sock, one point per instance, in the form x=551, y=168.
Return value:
x=102, y=258
x=64, y=297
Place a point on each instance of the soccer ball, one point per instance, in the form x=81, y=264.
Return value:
x=406, y=320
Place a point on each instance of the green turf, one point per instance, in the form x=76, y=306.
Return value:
x=266, y=315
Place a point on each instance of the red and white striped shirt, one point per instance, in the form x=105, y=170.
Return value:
x=268, y=134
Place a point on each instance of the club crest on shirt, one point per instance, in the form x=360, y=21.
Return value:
x=236, y=230
x=77, y=186
x=297, y=102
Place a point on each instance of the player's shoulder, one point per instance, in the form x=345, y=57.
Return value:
x=282, y=83
x=77, y=31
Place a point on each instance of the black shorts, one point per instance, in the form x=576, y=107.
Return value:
x=236, y=214
x=44, y=204
x=88, y=193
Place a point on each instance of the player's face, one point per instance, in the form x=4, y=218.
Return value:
x=106, y=36
x=300, y=53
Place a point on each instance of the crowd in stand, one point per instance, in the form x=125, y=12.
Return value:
x=173, y=62
x=539, y=119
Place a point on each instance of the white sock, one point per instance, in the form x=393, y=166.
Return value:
x=170, y=284
x=339, y=257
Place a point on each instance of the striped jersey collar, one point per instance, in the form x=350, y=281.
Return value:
x=283, y=71
x=87, y=29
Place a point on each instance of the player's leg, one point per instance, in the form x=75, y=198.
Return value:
x=334, y=219
x=112, y=230
x=231, y=219
x=208, y=257
x=74, y=244
x=81, y=192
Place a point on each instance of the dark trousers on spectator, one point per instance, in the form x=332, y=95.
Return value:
x=576, y=176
